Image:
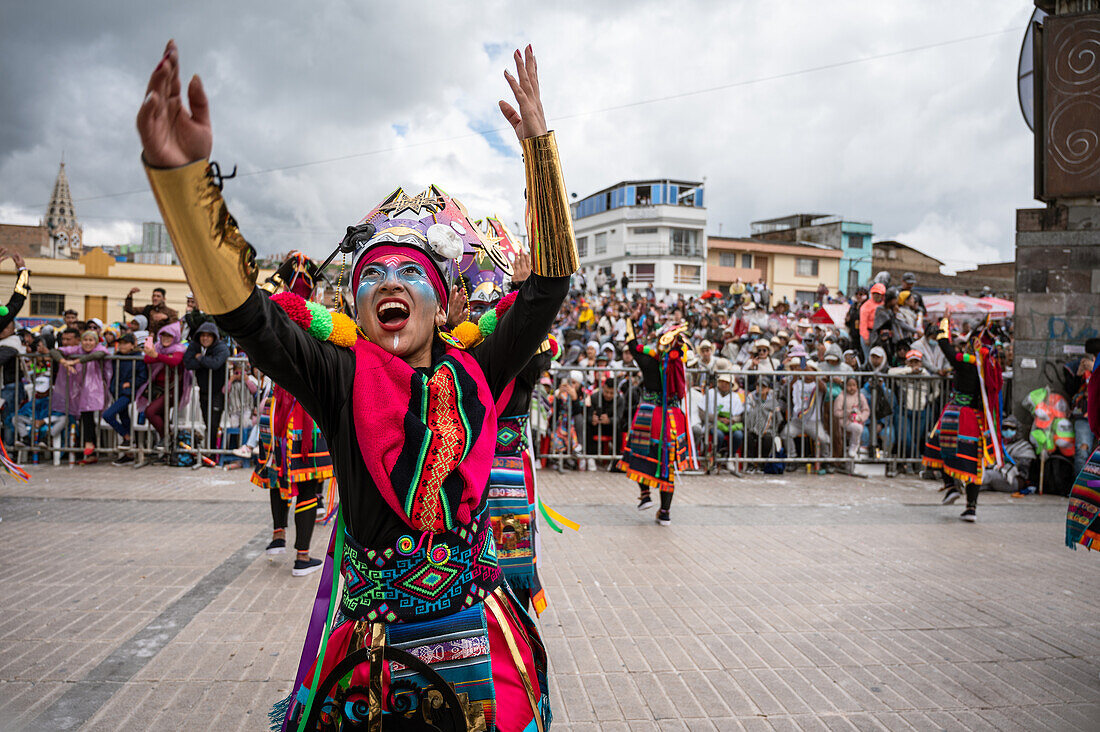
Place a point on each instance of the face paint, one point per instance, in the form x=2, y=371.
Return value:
x=401, y=270
x=397, y=306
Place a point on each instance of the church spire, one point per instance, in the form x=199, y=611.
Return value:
x=61, y=221
x=60, y=214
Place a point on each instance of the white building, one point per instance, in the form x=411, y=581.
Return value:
x=652, y=230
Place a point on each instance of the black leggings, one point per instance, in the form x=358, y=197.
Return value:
x=971, y=490
x=87, y=427
x=305, y=512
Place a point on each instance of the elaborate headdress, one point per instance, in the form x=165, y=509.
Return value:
x=487, y=269
x=300, y=275
x=431, y=224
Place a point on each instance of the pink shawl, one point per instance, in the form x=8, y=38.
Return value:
x=427, y=440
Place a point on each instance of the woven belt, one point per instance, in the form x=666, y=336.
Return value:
x=654, y=398
x=420, y=579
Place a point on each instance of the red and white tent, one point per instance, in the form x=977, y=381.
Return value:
x=830, y=314
x=940, y=305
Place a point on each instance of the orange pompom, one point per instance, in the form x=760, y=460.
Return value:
x=467, y=333
x=343, y=331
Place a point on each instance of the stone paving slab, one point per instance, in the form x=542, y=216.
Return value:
x=789, y=602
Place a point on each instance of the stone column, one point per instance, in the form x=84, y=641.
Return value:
x=1058, y=247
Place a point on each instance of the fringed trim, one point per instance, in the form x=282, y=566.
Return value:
x=961, y=476
x=648, y=480
x=520, y=579
x=278, y=712
x=314, y=473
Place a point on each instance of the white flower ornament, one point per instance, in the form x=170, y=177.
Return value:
x=445, y=241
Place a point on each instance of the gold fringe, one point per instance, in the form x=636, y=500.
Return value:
x=549, y=220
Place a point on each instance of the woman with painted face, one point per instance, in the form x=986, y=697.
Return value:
x=410, y=418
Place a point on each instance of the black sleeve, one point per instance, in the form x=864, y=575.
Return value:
x=948, y=350
x=521, y=331
x=15, y=304
x=318, y=373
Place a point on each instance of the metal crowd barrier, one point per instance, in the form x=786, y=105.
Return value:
x=202, y=423
x=574, y=423
x=797, y=425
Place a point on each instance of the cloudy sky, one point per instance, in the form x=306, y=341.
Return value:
x=325, y=107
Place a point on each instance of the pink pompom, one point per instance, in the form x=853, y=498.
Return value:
x=505, y=303
x=294, y=306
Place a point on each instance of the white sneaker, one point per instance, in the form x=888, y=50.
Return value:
x=243, y=451
x=591, y=464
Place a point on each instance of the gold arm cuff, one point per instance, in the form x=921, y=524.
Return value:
x=22, y=282
x=272, y=284
x=549, y=223
x=220, y=265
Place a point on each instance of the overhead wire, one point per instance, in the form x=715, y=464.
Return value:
x=591, y=112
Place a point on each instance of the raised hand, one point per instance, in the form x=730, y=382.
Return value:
x=170, y=134
x=521, y=267
x=530, y=120
x=456, y=306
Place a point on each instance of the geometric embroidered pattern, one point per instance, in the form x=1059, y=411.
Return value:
x=412, y=581
x=446, y=443
x=511, y=435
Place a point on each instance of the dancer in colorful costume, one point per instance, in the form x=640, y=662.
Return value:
x=657, y=447
x=967, y=439
x=294, y=460
x=1083, y=513
x=512, y=494
x=427, y=629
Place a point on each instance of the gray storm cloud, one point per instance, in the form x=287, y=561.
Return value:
x=928, y=145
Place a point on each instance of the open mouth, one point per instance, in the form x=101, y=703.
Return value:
x=392, y=314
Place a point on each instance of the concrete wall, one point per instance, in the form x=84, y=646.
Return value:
x=96, y=275
x=1057, y=291
x=785, y=283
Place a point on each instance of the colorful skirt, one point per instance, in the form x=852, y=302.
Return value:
x=657, y=447
x=1083, y=513
x=425, y=633
x=511, y=500
x=286, y=461
x=958, y=443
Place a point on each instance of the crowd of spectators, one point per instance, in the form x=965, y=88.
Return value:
x=774, y=382
x=768, y=379
x=71, y=385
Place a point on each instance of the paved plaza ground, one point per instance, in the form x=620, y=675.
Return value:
x=141, y=600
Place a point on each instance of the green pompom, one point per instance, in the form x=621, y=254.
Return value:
x=3, y=310
x=487, y=323
x=320, y=324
